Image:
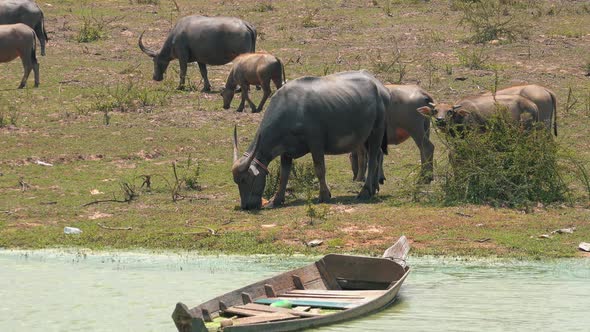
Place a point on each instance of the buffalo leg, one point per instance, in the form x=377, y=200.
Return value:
x=250, y=102
x=371, y=185
x=426, y=148
x=41, y=35
x=279, y=197
x=245, y=89
x=320, y=172
x=183, y=68
x=354, y=163
x=266, y=93
x=381, y=172
x=27, y=66
x=36, y=72
x=203, y=70
x=362, y=164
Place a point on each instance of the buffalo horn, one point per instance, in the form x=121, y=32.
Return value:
x=144, y=49
x=246, y=162
x=236, y=143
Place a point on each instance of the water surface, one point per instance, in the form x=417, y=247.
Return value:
x=102, y=291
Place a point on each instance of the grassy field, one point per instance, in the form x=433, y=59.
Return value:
x=99, y=153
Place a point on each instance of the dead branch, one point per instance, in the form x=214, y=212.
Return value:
x=115, y=228
x=105, y=201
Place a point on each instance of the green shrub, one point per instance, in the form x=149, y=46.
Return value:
x=8, y=114
x=493, y=19
x=272, y=180
x=504, y=166
x=473, y=59
x=91, y=30
x=263, y=6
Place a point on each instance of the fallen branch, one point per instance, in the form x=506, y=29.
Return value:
x=115, y=228
x=104, y=201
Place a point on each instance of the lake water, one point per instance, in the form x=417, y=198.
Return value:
x=104, y=291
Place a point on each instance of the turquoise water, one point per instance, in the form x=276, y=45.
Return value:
x=104, y=291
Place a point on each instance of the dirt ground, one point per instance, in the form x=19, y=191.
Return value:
x=100, y=154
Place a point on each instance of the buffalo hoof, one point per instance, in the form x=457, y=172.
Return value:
x=425, y=179
x=364, y=194
x=325, y=197
x=206, y=88
x=21, y=86
x=273, y=203
x=36, y=85
x=240, y=109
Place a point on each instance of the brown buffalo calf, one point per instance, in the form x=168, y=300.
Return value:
x=18, y=40
x=253, y=69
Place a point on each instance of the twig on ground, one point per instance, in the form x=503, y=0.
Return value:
x=115, y=228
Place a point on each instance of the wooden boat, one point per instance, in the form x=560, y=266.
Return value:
x=333, y=289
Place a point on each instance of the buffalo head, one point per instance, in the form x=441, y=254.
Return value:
x=160, y=64
x=444, y=114
x=249, y=176
x=228, y=95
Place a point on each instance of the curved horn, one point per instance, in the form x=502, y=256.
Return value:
x=245, y=163
x=431, y=104
x=144, y=49
x=456, y=107
x=235, y=143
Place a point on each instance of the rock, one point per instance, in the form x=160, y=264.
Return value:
x=544, y=236
x=584, y=246
x=564, y=231
x=314, y=243
x=72, y=230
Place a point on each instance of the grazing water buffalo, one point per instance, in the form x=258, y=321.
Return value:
x=18, y=40
x=26, y=12
x=205, y=40
x=473, y=113
x=322, y=115
x=253, y=69
x=402, y=122
x=542, y=97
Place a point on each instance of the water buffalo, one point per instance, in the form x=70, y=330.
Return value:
x=253, y=69
x=27, y=12
x=544, y=98
x=205, y=40
x=473, y=113
x=402, y=122
x=18, y=40
x=322, y=115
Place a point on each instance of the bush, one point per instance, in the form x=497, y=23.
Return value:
x=493, y=19
x=91, y=30
x=504, y=166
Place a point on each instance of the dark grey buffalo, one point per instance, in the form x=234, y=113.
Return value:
x=473, y=113
x=402, y=122
x=18, y=40
x=331, y=115
x=205, y=40
x=27, y=12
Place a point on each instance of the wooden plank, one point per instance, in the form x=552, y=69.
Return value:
x=246, y=298
x=264, y=308
x=206, y=315
x=267, y=317
x=327, y=277
x=297, y=282
x=269, y=290
x=365, y=293
x=317, y=304
x=320, y=299
x=322, y=296
x=301, y=308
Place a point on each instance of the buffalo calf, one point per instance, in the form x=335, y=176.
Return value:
x=253, y=69
x=18, y=40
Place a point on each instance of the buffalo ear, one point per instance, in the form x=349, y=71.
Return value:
x=425, y=110
x=458, y=109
